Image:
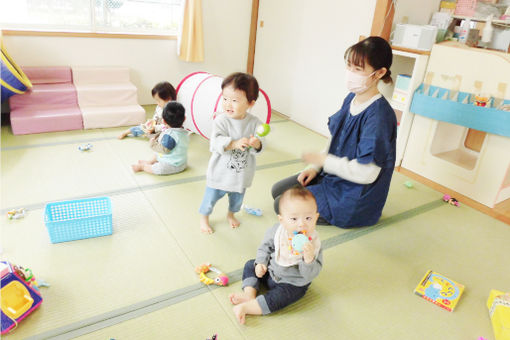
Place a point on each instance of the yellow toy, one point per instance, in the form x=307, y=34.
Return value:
x=220, y=280
x=499, y=311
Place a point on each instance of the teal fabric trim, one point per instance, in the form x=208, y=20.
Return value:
x=457, y=108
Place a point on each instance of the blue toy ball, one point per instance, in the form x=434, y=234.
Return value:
x=298, y=241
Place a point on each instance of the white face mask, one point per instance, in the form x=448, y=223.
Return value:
x=357, y=83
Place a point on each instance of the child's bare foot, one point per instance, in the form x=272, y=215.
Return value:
x=237, y=298
x=240, y=313
x=204, y=225
x=234, y=222
x=137, y=167
x=123, y=135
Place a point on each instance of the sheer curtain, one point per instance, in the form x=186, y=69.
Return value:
x=190, y=40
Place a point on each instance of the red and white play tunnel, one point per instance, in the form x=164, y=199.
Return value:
x=200, y=94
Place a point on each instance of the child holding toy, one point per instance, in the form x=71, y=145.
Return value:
x=233, y=145
x=170, y=145
x=162, y=93
x=351, y=180
x=286, y=267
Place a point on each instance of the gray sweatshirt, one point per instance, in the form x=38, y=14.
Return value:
x=232, y=170
x=297, y=275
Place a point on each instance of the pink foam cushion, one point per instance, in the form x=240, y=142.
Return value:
x=36, y=120
x=111, y=116
x=48, y=75
x=46, y=95
x=106, y=94
x=100, y=75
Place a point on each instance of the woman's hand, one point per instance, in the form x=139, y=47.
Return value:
x=306, y=176
x=315, y=158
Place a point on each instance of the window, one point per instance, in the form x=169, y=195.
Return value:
x=159, y=17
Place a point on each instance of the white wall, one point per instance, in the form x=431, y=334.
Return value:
x=299, y=54
x=226, y=33
x=417, y=12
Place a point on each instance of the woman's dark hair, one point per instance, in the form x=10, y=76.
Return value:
x=173, y=114
x=375, y=51
x=165, y=91
x=244, y=82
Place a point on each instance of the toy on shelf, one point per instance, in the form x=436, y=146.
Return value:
x=220, y=280
x=85, y=147
x=439, y=290
x=15, y=214
x=252, y=211
x=297, y=242
x=451, y=200
x=481, y=100
x=20, y=295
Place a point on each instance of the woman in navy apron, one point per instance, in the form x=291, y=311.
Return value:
x=351, y=181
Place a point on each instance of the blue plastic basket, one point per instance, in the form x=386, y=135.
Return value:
x=78, y=219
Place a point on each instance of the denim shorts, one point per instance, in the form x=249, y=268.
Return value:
x=136, y=131
x=211, y=196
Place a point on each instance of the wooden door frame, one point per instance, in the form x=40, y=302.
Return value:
x=381, y=26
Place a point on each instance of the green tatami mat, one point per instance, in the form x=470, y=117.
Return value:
x=139, y=261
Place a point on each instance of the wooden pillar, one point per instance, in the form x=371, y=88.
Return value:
x=383, y=19
x=253, y=35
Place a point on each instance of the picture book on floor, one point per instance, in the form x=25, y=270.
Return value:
x=439, y=290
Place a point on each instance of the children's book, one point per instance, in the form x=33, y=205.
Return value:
x=440, y=290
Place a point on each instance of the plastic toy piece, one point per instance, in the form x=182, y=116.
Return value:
x=408, y=184
x=451, y=200
x=214, y=337
x=85, y=147
x=220, y=280
x=263, y=130
x=252, y=211
x=16, y=213
x=298, y=241
x=20, y=295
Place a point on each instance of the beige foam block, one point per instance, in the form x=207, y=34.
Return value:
x=60, y=172
x=366, y=288
x=139, y=261
x=198, y=318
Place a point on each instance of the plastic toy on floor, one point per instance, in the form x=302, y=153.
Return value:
x=408, y=184
x=297, y=242
x=85, y=147
x=15, y=214
x=214, y=337
x=252, y=211
x=220, y=280
x=451, y=200
x=20, y=295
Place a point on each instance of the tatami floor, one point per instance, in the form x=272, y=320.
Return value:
x=139, y=283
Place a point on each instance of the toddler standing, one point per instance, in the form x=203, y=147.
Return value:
x=232, y=164
x=170, y=145
x=162, y=93
x=287, y=272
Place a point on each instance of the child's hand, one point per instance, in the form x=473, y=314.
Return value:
x=308, y=252
x=242, y=143
x=260, y=270
x=255, y=142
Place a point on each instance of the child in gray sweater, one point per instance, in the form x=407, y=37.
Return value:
x=233, y=145
x=286, y=266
